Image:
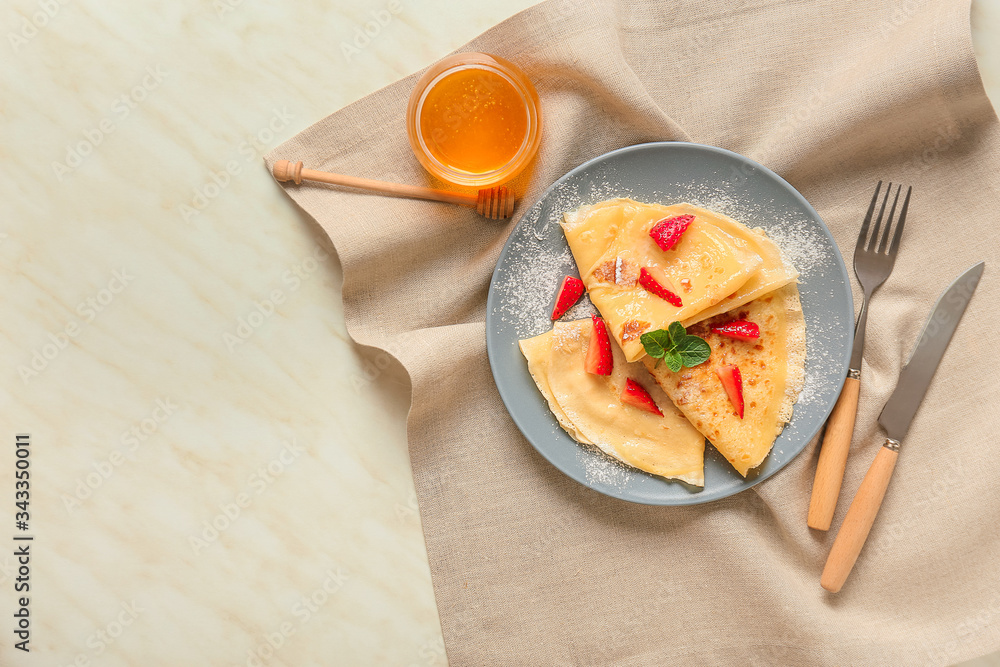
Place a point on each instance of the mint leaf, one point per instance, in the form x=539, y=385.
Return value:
x=693, y=351
x=656, y=343
x=676, y=347
x=676, y=331
x=673, y=360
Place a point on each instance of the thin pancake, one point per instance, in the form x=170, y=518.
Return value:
x=773, y=273
x=611, y=244
x=588, y=406
x=538, y=352
x=772, y=368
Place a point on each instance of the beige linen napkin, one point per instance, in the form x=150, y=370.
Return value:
x=531, y=568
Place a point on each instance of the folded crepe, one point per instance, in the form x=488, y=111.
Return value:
x=717, y=264
x=772, y=369
x=590, y=409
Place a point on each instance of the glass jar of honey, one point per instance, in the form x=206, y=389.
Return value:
x=474, y=120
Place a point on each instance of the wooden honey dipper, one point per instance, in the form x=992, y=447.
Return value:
x=494, y=203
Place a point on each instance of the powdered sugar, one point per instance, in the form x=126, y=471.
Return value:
x=583, y=308
x=820, y=358
x=601, y=469
x=801, y=245
x=528, y=289
x=536, y=262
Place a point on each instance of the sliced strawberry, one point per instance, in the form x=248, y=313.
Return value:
x=568, y=294
x=668, y=232
x=732, y=382
x=741, y=329
x=647, y=280
x=599, y=359
x=635, y=395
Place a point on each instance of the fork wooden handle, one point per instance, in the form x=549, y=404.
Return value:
x=833, y=457
x=858, y=522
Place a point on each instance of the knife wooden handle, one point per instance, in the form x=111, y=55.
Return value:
x=860, y=517
x=833, y=457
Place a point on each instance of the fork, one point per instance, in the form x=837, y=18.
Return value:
x=874, y=258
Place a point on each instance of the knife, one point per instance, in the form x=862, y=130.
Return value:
x=914, y=378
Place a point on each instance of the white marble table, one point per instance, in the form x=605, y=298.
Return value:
x=219, y=476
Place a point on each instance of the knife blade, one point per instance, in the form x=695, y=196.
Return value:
x=916, y=374
x=914, y=379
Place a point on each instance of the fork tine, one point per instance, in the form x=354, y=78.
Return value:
x=878, y=221
x=899, y=227
x=884, y=243
x=863, y=234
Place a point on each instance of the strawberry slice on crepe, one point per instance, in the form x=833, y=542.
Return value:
x=741, y=398
x=633, y=257
x=623, y=413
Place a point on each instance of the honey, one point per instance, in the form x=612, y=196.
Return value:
x=473, y=120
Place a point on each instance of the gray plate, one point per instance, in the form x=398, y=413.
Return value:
x=536, y=257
